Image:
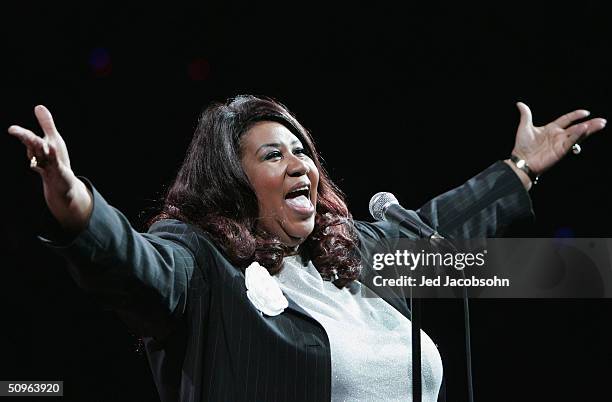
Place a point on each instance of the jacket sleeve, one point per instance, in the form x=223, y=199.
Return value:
x=482, y=207
x=144, y=277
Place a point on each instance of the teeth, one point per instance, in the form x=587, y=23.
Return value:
x=303, y=188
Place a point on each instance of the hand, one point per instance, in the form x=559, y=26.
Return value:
x=542, y=147
x=68, y=198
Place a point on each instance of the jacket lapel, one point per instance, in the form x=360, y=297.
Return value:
x=296, y=307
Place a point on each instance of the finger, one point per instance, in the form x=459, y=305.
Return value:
x=575, y=133
x=36, y=147
x=28, y=138
x=47, y=161
x=40, y=150
x=570, y=117
x=52, y=156
x=525, y=114
x=596, y=125
x=45, y=120
x=578, y=132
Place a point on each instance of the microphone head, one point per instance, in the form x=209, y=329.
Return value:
x=379, y=204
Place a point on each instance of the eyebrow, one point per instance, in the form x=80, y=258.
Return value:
x=275, y=145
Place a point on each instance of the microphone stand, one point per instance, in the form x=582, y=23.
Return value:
x=440, y=242
x=415, y=318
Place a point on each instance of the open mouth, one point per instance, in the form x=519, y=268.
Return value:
x=299, y=200
x=300, y=191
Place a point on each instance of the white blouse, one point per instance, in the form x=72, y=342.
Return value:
x=370, y=341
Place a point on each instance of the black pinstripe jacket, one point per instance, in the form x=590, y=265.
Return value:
x=204, y=339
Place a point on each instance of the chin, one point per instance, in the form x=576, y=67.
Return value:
x=301, y=231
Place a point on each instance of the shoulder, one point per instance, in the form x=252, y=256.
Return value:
x=380, y=230
x=209, y=258
x=174, y=228
x=198, y=242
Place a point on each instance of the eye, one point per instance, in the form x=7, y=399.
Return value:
x=272, y=155
x=300, y=151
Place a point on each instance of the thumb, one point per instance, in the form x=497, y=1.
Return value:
x=45, y=120
x=525, y=114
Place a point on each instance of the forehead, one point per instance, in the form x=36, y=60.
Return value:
x=268, y=132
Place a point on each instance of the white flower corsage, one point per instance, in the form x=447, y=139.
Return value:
x=263, y=291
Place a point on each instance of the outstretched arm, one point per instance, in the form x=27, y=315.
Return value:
x=143, y=276
x=493, y=199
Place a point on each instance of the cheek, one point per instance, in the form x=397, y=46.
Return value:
x=267, y=190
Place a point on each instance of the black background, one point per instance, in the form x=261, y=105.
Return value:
x=408, y=99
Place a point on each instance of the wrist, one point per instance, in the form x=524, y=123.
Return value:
x=79, y=201
x=520, y=161
x=523, y=177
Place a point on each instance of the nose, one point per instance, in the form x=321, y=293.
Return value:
x=297, y=167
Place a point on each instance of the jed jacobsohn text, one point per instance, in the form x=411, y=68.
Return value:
x=412, y=260
x=447, y=282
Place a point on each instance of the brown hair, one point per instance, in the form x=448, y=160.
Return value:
x=211, y=191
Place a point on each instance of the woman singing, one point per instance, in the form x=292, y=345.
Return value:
x=248, y=283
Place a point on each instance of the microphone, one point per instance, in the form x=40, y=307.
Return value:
x=385, y=207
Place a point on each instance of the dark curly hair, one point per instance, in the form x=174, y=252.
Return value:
x=212, y=192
